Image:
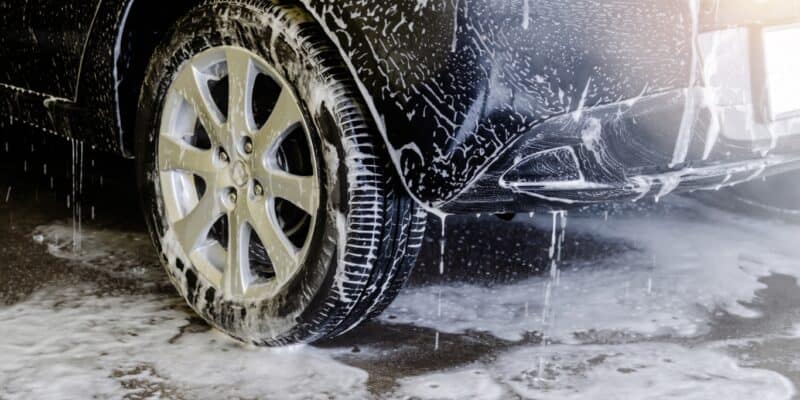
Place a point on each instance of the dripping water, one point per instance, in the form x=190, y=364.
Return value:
x=650, y=277
x=558, y=235
x=74, y=200
x=442, y=243
x=442, y=246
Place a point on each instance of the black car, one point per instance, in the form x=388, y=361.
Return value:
x=289, y=151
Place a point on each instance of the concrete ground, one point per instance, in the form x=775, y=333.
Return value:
x=669, y=300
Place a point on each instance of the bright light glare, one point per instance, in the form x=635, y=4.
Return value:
x=782, y=57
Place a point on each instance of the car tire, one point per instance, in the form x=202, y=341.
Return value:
x=339, y=236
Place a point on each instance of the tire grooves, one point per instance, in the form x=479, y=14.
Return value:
x=362, y=244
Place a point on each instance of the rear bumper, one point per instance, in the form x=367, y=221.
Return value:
x=721, y=131
x=626, y=151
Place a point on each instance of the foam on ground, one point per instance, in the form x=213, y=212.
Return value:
x=686, y=269
x=72, y=344
x=635, y=371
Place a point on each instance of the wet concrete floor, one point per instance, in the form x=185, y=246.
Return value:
x=669, y=300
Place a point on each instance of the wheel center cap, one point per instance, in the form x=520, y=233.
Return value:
x=240, y=173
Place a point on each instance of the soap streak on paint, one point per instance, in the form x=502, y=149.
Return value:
x=689, y=110
x=526, y=14
x=710, y=68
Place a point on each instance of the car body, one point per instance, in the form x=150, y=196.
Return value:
x=487, y=105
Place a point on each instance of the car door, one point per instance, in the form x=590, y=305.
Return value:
x=42, y=43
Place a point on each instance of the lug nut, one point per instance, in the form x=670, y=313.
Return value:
x=224, y=156
x=258, y=189
x=232, y=197
x=248, y=146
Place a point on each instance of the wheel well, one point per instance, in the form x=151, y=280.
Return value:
x=141, y=31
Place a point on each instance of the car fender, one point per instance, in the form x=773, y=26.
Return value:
x=452, y=83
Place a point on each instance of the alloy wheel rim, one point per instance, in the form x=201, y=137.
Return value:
x=239, y=177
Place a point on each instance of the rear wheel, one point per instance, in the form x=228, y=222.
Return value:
x=265, y=187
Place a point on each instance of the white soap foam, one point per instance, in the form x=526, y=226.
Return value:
x=636, y=371
x=687, y=267
x=72, y=344
x=632, y=371
x=122, y=254
x=470, y=384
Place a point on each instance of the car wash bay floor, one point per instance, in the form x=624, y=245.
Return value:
x=669, y=300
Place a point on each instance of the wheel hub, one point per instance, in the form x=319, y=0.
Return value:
x=240, y=173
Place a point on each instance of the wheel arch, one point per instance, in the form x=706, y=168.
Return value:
x=137, y=35
x=137, y=32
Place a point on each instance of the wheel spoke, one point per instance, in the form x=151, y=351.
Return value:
x=240, y=91
x=206, y=258
x=193, y=89
x=193, y=229
x=285, y=115
x=236, y=277
x=174, y=154
x=302, y=191
x=281, y=252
